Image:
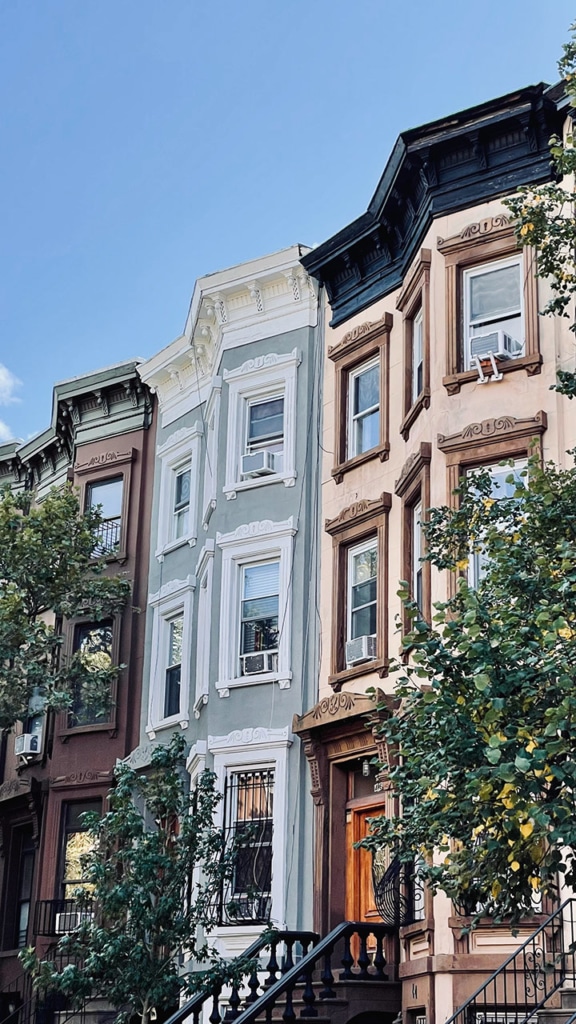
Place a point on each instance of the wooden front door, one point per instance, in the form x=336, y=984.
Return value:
x=360, y=905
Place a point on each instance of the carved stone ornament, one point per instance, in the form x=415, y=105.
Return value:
x=14, y=787
x=81, y=778
x=171, y=588
x=359, y=335
x=103, y=459
x=259, y=528
x=140, y=757
x=475, y=232
x=334, y=708
x=495, y=428
x=259, y=363
x=259, y=736
x=412, y=467
x=359, y=511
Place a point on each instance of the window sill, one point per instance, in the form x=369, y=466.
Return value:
x=338, y=679
x=422, y=402
x=381, y=452
x=230, y=490
x=174, y=545
x=284, y=679
x=531, y=363
x=82, y=730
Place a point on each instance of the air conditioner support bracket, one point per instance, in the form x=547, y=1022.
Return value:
x=477, y=364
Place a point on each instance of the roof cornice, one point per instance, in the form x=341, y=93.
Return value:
x=456, y=162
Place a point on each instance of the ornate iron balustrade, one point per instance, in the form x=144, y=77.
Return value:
x=398, y=892
x=108, y=536
x=58, y=917
x=346, y=944
x=524, y=983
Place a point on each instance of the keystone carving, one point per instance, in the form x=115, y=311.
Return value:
x=493, y=428
x=362, y=509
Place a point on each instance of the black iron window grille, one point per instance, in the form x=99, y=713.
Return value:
x=248, y=821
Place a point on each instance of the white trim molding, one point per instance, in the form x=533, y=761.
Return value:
x=172, y=600
x=254, y=749
x=179, y=452
x=251, y=543
x=212, y=420
x=263, y=377
x=204, y=573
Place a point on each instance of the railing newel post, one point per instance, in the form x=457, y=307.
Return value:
x=327, y=978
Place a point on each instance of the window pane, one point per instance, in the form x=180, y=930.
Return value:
x=364, y=593
x=172, y=691
x=259, y=635
x=495, y=294
x=182, y=496
x=175, y=642
x=365, y=565
x=366, y=389
x=260, y=607
x=108, y=494
x=364, y=621
x=266, y=420
x=261, y=580
x=367, y=430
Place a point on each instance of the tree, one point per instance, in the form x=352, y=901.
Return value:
x=150, y=883
x=49, y=571
x=481, y=741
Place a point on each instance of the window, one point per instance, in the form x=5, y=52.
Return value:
x=248, y=818
x=414, y=303
x=170, y=655
x=261, y=442
x=106, y=495
x=364, y=409
x=180, y=459
x=173, y=667
x=359, y=624
x=76, y=842
x=493, y=310
x=259, y=617
x=25, y=877
x=181, y=519
x=256, y=605
x=491, y=301
x=413, y=487
x=361, y=361
x=362, y=589
x=503, y=485
x=93, y=642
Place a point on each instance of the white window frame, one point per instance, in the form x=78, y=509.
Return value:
x=251, y=750
x=173, y=599
x=369, y=544
x=417, y=352
x=212, y=420
x=247, y=545
x=179, y=452
x=416, y=553
x=204, y=575
x=468, y=274
x=358, y=371
x=475, y=561
x=269, y=376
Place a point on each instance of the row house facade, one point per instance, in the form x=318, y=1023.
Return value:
x=231, y=652
x=436, y=363
x=55, y=766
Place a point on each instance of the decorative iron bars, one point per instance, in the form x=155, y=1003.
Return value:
x=59, y=917
x=398, y=891
x=108, y=537
x=248, y=824
x=524, y=983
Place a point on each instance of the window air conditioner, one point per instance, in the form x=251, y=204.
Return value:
x=497, y=343
x=254, y=664
x=68, y=920
x=362, y=648
x=259, y=463
x=27, y=743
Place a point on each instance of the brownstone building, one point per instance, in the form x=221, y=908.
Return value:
x=53, y=767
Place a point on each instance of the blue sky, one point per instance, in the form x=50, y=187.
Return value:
x=145, y=143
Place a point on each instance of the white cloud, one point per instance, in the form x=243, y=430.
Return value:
x=6, y=434
x=8, y=385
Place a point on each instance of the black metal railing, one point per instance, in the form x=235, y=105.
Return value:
x=58, y=917
x=108, y=536
x=398, y=892
x=245, y=897
x=524, y=983
x=313, y=972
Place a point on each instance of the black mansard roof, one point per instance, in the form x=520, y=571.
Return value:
x=459, y=161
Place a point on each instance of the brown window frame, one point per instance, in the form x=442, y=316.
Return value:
x=117, y=464
x=485, y=443
x=415, y=295
x=490, y=239
x=413, y=487
x=363, y=343
x=360, y=521
x=64, y=727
